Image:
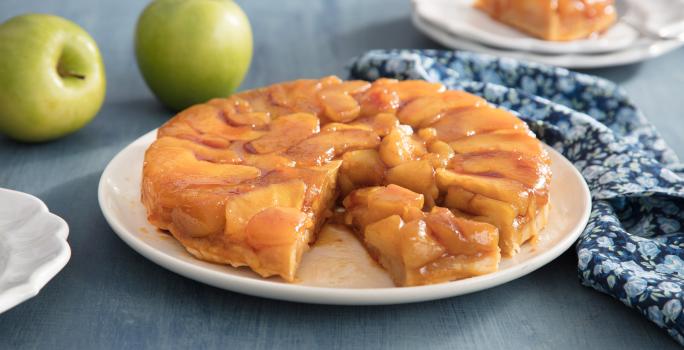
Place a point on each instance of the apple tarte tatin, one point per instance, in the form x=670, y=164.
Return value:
x=556, y=20
x=436, y=183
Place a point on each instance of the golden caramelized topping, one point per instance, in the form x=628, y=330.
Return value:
x=437, y=184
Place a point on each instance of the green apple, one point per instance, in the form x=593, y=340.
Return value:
x=190, y=51
x=52, y=80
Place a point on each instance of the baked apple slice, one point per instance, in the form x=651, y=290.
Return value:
x=499, y=188
x=532, y=172
x=519, y=141
x=338, y=103
x=323, y=147
x=417, y=176
x=361, y=168
x=400, y=146
x=382, y=124
x=285, y=132
x=427, y=110
x=370, y=204
x=207, y=119
x=498, y=213
x=473, y=121
x=408, y=90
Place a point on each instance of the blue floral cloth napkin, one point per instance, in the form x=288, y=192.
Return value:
x=633, y=246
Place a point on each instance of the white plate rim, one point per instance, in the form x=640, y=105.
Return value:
x=524, y=42
x=42, y=269
x=647, y=49
x=336, y=296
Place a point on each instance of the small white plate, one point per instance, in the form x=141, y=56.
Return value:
x=460, y=18
x=330, y=275
x=643, y=49
x=33, y=247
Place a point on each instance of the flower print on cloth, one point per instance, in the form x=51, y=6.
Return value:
x=633, y=245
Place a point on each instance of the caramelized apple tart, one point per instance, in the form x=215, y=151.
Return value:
x=555, y=20
x=437, y=184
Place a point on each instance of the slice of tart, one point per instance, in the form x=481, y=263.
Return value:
x=557, y=20
x=508, y=189
x=419, y=247
x=237, y=214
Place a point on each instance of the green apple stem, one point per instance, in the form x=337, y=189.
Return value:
x=64, y=73
x=71, y=63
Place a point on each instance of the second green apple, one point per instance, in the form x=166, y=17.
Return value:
x=190, y=51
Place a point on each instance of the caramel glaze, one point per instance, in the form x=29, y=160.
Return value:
x=249, y=180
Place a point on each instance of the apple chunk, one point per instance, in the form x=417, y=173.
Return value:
x=502, y=189
x=426, y=110
x=417, y=246
x=179, y=167
x=408, y=90
x=238, y=112
x=275, y=226
x=368, y=205
x=462, y=236
x=417, y=176
x=207, y=120
x=500, y=214
x=379, y=98
x=324, y=146
x=242, y=207
x=503, y=140
x=337, y=102
x=394, y=199
x=363, y=167
x=462, y=123
x=197, y=212
x=202, y=152
x=382, y=123
x=383, y=235
x=286, y=131
x=527, y=170
x=400, y=146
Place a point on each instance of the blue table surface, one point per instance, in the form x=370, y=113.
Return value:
x=108, y=296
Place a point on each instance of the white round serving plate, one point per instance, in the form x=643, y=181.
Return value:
x=119, y=198
x=461, y=18
x=33, y=247
x=643, y=49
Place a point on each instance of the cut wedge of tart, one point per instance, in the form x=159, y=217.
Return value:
x=250, y=179
x=418, y=247
x=557, y=20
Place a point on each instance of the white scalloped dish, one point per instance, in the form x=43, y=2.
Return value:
x=33, y=247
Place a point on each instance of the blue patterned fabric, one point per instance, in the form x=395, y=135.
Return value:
x=633, y=246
